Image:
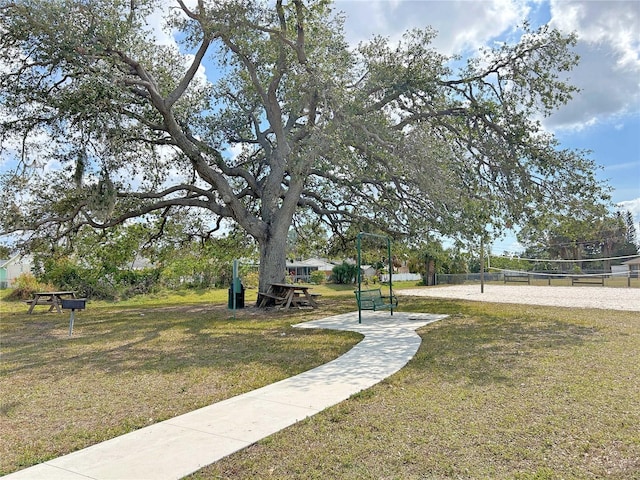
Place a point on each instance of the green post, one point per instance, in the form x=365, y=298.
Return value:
x=482, y=263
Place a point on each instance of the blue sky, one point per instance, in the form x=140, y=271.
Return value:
x=603, y=118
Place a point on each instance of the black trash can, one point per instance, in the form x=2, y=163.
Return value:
x=239, y=297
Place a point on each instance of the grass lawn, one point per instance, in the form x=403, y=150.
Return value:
x=134, y=363
x=495, y=391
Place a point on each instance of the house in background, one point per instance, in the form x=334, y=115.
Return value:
x=12, y=268
x=300, y=270
x=634, y=267
x=368, y=271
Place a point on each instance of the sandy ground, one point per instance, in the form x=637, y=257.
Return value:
x=577, y=297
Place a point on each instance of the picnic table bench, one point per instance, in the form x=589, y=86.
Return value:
x=517, y=277
x=51, y=299
x=588, y=280
x=374, y=300
x=287, y=295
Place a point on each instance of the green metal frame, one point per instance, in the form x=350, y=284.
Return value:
x=358, y=243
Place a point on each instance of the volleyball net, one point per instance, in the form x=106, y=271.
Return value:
x=576, y=271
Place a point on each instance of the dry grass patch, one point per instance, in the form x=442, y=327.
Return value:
x=133, y=364
x=495, y=391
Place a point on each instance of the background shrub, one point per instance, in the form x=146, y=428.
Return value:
x=250, y=279
x=344, y=273
x=25, y=285
x=317, y=277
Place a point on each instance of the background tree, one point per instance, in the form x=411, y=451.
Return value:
x=307, y=238
x=127, y=260
x=591, y=233
x=631, y=232
x=5, y=252
x=385, y=133
x=345, y=273
x=509, y=263
x=203, y=263
x=625, y=235
x=98, y=264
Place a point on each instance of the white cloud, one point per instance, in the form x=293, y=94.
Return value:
x=609, y=69
x=633, y=206
x=611, y=23
x=462, y=26
x=609, y=42
x=622, y=166
x=157, y=24
x=235, y=150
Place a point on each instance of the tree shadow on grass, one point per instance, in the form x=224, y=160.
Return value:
x=124, y=368
x=166, y=340
x=485, y=350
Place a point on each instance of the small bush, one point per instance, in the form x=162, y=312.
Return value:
x=26, y=285
x=345, y=273
x=137, y=282
x=250, y=279
x=317, y=277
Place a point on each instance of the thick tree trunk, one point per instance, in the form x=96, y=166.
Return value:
x=272, y=263
x=273, y=243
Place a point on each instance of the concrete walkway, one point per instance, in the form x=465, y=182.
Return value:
x=177, y=447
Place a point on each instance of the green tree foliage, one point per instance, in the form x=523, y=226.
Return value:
x=385, y=133
x=507, y=263
x=5, y=252
x=197, y=263
x=317, y=277
x=631, y=232
x=344, y=273
x=587, y=234
x=25, y=285
x=451, y=260
x=307, y=238
x=125, y=261
x=97, y=263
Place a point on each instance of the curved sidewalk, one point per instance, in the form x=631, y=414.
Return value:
x=182, y=445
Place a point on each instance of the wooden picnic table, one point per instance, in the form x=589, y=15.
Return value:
x=287, y=295
x=53, y=299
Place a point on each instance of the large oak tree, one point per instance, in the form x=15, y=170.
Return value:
x=104, y=125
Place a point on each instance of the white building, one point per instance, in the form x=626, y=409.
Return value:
x=300, y=270
x=12, y=268
x=634, y=267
